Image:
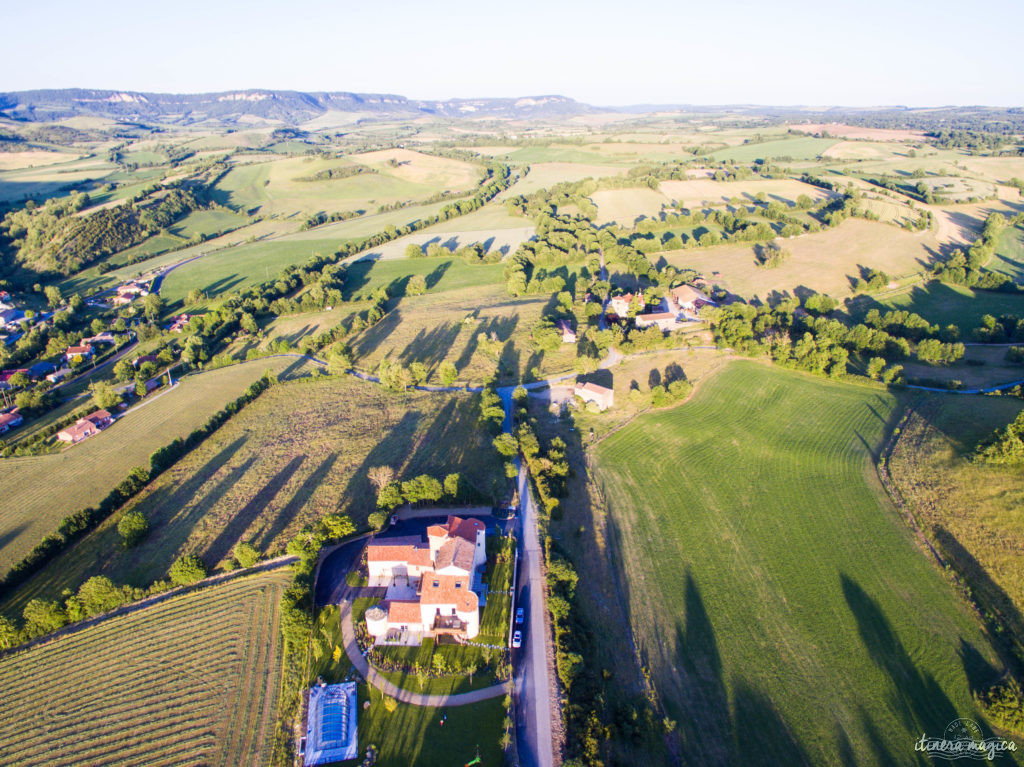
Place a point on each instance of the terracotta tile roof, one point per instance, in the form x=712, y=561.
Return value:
x=448, y=590
x=78, y=431
x=409, y=549
x=73, y=350
x=403, y=612
x=457, y=552
x=594, y=388
x=98, y=417
x=656, y=316
x=464, y=528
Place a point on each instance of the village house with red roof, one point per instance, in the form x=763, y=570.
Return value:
x=435, y=580
x=86, y=427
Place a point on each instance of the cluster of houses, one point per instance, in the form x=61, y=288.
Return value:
x=86, y=427
x=433, y=584
x=125, y=294
x=682, y=304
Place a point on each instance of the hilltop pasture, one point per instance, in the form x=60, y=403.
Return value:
x=280, y=186
x=795, y=588
x=194, y=679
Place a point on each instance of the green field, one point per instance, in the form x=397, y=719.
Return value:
x=451, y=325
x=785, y=613
x=299, y=452
x=207, y=223
x=34, y=503
x=251, y=263
x=801, y=148
x=192, y=680
x=1009, y=258
x=944, y=304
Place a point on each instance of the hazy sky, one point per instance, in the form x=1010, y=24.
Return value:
x=626, y=52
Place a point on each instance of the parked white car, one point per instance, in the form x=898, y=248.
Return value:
x=517, y=639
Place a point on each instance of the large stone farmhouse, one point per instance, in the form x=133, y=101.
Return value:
x=436, y=581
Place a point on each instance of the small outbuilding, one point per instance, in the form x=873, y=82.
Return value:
x=603, y=397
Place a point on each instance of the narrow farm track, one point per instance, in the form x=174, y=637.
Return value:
x=192, y=680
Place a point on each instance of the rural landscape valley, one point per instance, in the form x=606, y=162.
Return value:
x=355, y=428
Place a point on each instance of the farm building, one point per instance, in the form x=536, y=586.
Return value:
x=686, y=300
x=665, y=321
x=599, y=395
x=331, y=732
x=568, y=333
x=10, y=420
x=440, y=573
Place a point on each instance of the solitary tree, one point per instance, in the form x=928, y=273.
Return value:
x=380, y=476
x=132, y=527
x=187, y=570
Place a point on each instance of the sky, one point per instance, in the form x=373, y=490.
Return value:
x=873, y=52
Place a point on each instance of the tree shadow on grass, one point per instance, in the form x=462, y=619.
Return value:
x=396, y=442
x=987, y=591
x=434, y=277
x=241, y=520
x=295, y=505
x=916, y=697
x=371, y=338
x=431, y=346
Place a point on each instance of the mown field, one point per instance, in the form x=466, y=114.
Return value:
x=299, y=452
x=39, y=491
x=193, y=680
x=778, y=599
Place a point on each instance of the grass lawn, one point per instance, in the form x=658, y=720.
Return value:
x=1009, y=258
x=546, y=174
x=34, y=503
x=299, y=452
x=779, y=601
x=207, y=222
x=91, y=278
x=414, y=736
x=275, y=187
x=695, y=192
x=411, y=736
x=191, y=680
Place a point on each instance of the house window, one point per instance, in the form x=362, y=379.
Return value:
x=436, y=584
x=458, y=585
